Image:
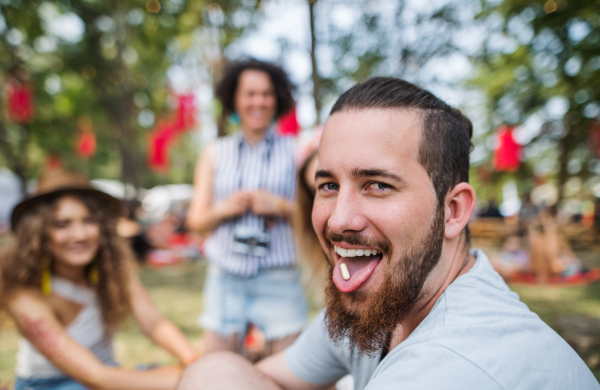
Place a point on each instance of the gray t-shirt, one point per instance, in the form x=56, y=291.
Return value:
x=477, y=336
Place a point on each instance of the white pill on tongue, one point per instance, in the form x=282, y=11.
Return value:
x=344, y=269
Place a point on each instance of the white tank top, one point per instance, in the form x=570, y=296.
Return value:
x=86, y=329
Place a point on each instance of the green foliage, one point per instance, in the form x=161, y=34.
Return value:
x=538, y=54
x=378, y=38
x=111, y=67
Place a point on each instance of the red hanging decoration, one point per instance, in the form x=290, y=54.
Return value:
x=160, y=143
x=507, y=157
x=184, y=117
x=162, y=138
x=86, y=145
x=288, y=123
x=20, y=102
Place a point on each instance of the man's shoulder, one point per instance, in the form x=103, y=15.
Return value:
x=430, y=364
x=480, y=327
x=482, y=295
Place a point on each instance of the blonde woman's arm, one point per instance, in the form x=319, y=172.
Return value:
x=162, y=331
x=37, y=322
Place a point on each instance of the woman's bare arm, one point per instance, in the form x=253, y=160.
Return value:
x=204, y=216
x=162, y=331
x=37, y=322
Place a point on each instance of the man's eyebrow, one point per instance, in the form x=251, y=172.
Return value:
x=323, y=173
x=358, y=173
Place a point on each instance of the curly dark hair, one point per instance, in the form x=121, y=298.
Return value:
x=26, y=257
x=226, y=88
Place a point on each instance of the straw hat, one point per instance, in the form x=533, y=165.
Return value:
x=59, y=181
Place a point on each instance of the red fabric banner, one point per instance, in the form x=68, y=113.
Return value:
x=160, y=143
x=288, y=123
x=184, y=117
x=86, y=145
x=166, y=132
x=20, y=102
x=507, y=157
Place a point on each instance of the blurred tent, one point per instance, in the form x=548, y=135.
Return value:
x=161, y=199
x=115, y=188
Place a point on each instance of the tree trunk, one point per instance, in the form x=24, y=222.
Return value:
x=128, y=166
x=565, y=146
x=313, y=60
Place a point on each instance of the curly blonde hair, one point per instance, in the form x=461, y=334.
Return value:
x=27, y=256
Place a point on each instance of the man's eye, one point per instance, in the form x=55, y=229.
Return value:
x=379, y=186
x=329, y=187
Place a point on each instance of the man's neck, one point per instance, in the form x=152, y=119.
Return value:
x=447, y=272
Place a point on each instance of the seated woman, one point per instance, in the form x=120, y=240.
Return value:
x=512, y=259
x=68, y=282
x=549, y=255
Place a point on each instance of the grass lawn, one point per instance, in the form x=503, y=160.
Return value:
x=177, y=292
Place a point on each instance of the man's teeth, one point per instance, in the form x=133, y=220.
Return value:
x=354, y=252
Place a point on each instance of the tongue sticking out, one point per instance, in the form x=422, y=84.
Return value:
x=359, y=268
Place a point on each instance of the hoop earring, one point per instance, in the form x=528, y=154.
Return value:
x=234, y=118
x=46, y=285
x=93, y=275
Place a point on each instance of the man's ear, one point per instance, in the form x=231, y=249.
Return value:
x=459, y=205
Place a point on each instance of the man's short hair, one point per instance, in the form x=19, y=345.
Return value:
x=226, y=88
x=446, y=138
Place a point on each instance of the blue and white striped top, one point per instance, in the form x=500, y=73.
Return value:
x=268, y=165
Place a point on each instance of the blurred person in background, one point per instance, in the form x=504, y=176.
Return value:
x=538, y=250
x=551, y=254
x=310, y=255
x=244, y=191
x=129, y=228
x=68, y=281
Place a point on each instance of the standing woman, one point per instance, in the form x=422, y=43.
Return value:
x=67, y=282
x=244, y=187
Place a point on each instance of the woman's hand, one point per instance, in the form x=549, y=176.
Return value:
x=265, y=203
x=238, y=203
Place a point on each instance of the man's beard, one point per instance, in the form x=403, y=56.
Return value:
x=370, y=328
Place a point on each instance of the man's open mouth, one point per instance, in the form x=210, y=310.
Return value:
x=354, y=266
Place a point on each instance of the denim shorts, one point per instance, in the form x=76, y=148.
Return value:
x=60, y=383
x=273, y=300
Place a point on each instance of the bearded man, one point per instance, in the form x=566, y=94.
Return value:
x=408, y=304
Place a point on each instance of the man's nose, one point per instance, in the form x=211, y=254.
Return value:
x=347, y=216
